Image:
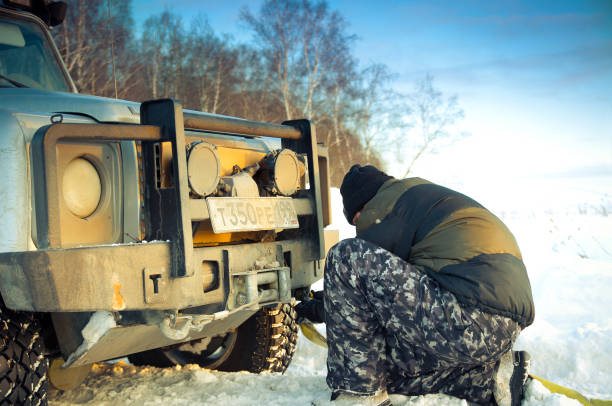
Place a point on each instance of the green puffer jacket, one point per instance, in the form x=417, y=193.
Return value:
x=458, y=242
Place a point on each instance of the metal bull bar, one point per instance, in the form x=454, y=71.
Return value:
x=234, y=125
x=166, y=209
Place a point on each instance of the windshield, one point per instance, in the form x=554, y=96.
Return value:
x=26, y=59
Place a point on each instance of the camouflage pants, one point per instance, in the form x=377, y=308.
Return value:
x=390, y=326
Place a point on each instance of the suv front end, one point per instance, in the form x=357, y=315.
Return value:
x=174, y=236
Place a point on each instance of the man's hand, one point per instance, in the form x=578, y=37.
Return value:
x=311, y=308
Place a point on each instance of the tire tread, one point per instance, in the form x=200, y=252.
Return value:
x=23, y=365
x=265, y=343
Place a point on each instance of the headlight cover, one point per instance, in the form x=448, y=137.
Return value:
x=81, y=187
x=203, y=168
x=280, y=172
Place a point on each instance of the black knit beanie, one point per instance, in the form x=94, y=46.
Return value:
x=359, y=185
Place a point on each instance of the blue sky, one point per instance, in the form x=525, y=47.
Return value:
x=534, y=77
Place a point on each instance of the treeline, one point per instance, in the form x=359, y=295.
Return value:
x=300, y=65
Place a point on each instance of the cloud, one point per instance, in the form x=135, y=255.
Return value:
x=504, y=14
x=550, y=70
x=560, y=19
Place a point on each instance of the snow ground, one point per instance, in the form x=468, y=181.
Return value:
x=564, y=229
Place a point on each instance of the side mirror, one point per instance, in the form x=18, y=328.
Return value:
x=51, y=12
x=57, y=12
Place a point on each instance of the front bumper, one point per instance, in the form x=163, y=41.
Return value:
x=126, y=277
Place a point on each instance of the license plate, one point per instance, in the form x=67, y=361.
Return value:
x=229, y=214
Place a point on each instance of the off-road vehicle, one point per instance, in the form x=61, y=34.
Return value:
x=143, y=230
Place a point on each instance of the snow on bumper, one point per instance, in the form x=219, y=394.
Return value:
x=103, y=337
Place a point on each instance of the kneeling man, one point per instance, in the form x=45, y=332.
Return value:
x=429, y=298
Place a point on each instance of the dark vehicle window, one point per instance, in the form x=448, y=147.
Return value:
x=26, y=59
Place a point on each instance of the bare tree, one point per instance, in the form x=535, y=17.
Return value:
x=154, y=51
x=325, y=48
x=253, y=97
x=379, y=113
x=433, y=117
x=277, y=31
x=338, y=90
x=95, y=36
x=300, y=40
x=207, y=63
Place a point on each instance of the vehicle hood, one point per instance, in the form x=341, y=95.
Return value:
x=101, y=109
x=38, y=105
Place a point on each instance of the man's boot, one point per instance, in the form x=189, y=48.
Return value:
x=344, y=399
x=511, y=377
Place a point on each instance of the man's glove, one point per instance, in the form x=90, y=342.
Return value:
x=311, y=308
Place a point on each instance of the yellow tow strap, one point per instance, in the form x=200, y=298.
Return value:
x=570, y=393
x=311, y=333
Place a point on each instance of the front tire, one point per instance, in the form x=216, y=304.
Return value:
x=264, y=343
x=23, y=365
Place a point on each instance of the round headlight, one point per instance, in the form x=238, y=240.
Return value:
x=280, y=172
x=203, y=168
x=286, y=172
x=81, y=187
